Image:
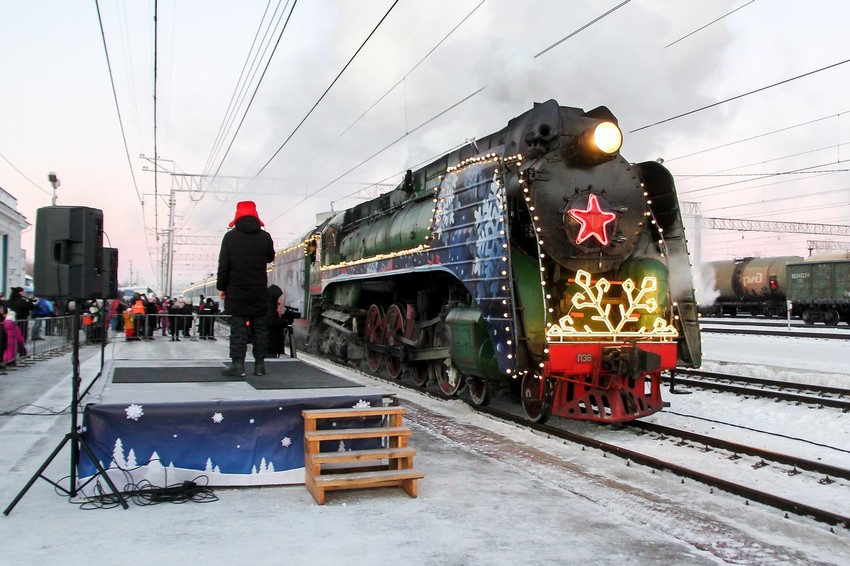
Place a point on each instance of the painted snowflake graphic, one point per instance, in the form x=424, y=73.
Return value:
x=134, y=411
x=217, y=417
x=361, y=404
x=286, y=442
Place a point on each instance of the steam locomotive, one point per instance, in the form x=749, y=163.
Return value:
x=535, y=258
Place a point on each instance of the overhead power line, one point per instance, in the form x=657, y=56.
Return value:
x=740, y=96
x=115, y=98
x=239, y=88
x=401, y=80
x=34, y=184
x=374, y=155
x=709, y=23
x=584, y=27
x=756, y=136
x=802, y=170
x=304, y=119
x=256, y=87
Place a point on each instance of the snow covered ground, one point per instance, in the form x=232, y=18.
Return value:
x=492, y=493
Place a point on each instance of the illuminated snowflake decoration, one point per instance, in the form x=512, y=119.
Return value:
x=217, y=417
x=134, y=411
x=286, y=442
x=445, y=215
x=489, y=229
x=361, y=404
x=593, y=303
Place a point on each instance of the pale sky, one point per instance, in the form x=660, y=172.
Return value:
x=648, y=61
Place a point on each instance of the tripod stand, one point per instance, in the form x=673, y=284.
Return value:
x=73, y=436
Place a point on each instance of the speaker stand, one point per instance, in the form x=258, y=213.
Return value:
x=73, y=436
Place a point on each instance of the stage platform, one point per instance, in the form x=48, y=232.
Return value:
x=163, y=414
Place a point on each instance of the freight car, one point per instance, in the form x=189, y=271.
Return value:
x=755, y=286
x=819, y=290
x=535, y=260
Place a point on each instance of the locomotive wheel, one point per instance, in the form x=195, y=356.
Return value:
x=537, y=406
x=393, y=329
x=374, y=334
x=479, y=391
x=419, y=370
x=447, y=375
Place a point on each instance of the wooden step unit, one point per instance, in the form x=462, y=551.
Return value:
x=389, y=466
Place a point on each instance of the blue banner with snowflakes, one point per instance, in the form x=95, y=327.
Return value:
x=217, y=443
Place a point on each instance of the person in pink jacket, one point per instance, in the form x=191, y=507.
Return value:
x=14, y=338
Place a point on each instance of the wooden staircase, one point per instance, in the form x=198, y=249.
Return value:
x=391, y=465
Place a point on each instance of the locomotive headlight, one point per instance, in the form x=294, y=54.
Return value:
x=607, y=137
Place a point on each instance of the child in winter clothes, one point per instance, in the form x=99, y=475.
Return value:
x=14, y=338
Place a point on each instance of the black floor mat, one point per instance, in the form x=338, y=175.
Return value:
x=292, y=374
x=173, y=374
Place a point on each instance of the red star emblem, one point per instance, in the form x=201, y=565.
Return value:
x=593, y=221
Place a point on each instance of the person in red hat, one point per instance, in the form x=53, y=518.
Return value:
x=245, y=253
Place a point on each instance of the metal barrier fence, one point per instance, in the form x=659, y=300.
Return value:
x=50, y=337
x=171, y=327
x=42, y=338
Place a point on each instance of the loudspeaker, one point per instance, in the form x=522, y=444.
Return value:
x=68, y=252
x=110, y=273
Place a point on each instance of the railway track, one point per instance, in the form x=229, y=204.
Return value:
x=749, y=493
x=737, y=488
x=785, y=333
x=819, y=395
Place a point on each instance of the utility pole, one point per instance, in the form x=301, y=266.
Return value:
x=54, y=181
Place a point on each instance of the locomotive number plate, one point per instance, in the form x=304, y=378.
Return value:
x=584, y=358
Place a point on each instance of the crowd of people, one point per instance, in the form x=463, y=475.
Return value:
x=16, y=312
x=142, y=317
x=25, y=318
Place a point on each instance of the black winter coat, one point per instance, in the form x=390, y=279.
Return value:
x=245, y=253
x=20, y=305
x=274, y=322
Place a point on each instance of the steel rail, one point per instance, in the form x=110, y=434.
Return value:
x=786, y=334
x=825, y=389
x=710, y=441
x=843, y=404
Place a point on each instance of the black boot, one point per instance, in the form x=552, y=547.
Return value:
x=236, y=369
x=260, y=367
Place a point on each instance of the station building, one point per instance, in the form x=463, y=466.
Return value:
x=12, y=255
